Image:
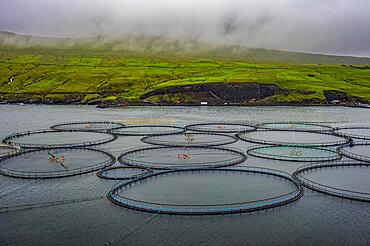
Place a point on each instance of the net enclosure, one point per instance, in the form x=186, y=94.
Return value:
x=147, y=130
x=58, y=139
x=207, y=191
x=220, y=127
x=294, y=153
x=296, y=138
x=356, y=132
x=123, y=173
x=190, y=139
x=87, y=126
x=55, y=163
x=332, y=179
x=294, y=126
x=181, y=157
x=360, y=152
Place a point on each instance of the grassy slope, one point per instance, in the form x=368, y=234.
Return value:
x=127, y=69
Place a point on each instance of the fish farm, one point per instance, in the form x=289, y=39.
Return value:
x=200, y=158
x=186, y=171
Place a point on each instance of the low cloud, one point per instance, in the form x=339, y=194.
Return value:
x=324, y=26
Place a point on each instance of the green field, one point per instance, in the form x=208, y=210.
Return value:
x=110, y=70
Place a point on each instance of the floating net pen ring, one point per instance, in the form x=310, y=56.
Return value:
x=87, y=126
x=190, y=139
x=147, y=130
x=330, y=190
x=128, y=173
x=220, y=127
x=293, y=153
x=353, y=135
x=55, y=139
x=350, y=154
x=56, y=159
x=161, y=157
x=207, y=209
x=342, y=140
x=294, y=125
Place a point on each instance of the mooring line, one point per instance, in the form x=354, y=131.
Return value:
x=17, y=188
x=47, y=204
x=120, y=238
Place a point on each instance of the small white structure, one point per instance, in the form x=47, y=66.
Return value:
x=204, y=103
x=335, y=101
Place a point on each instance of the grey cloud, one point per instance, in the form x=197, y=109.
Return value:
x=326, y=26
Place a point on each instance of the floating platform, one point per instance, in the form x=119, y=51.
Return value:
x=295, y=138
x=328, y=184
x=147, y=130
x=55, y=163
x=181, y=157
x=99, y=126
x=294, y=153
x=208, y=191
x=58, y=139
x=220, y=127
x=295, y=126
x=190, y=139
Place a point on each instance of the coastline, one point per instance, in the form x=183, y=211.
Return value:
x=141, y=104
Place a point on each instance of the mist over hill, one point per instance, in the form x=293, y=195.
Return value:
x=317, y=26
x=153, y=46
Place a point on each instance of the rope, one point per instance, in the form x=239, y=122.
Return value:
x=16, y=188
x=140, y=225
x=47, y=204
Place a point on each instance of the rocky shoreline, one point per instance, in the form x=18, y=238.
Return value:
x=206, y=94
x=123, y=105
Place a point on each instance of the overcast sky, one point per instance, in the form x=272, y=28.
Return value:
x=325, y=26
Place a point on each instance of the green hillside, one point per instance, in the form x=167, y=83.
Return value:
x=97, y=69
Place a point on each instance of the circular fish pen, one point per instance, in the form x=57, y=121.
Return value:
x=295, y=138
x=359, y=132
x=123, y=173
x=6, y=150
x=88, y=126
x=147, y=130
x=58, y=139
x=334, y=180
x=294, y=153
x=220, y=127
x=190, y=139
x=208, y=191
x=55, y=163
x=181, y=157
x=360, y=152
x=294, y=126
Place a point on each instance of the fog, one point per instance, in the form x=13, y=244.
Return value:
x=320, y=26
